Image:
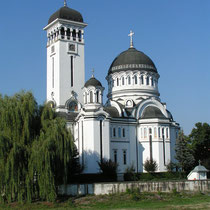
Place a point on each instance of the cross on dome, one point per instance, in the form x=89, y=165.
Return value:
x=93, y=72
x=131, y=38
x=65, y=3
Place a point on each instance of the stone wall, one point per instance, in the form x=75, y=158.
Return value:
x=118, y=187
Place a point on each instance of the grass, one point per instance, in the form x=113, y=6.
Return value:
x=128, y=200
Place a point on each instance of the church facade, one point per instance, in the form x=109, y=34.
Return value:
x=133, y=125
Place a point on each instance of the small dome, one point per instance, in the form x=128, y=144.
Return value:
x=93, y=82
x=66, y=13
x=152, y=112
x=132, y=59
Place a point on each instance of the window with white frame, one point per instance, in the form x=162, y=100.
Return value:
x=145, y=133
x=115, y=156
x=124, y=157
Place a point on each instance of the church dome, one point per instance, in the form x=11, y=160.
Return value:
x=66, y=13
x=132, y=59
x=93, y=82
x=152, y=112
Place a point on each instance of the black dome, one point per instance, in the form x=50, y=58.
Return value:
x=66, y=13
x=93, y=82
x=132, y=59
x=152, y=112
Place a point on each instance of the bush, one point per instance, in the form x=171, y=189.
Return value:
x=108, y=168
x=171, y=166
x=130, y=174
x=150, y=166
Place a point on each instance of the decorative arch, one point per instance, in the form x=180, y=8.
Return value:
x=150, y=102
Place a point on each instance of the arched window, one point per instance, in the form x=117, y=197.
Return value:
x=152, y=80
x=167, y=133
x=68, y=33
x=85, y=98
x=142, y=79
x=97, y=97
x=145, y=133
x=135, y=80
x=62, y=33
x=91, y=97
x=147, y=80
x=74, y=35
x=163, y=133
x=80, y=35
x=123, y=81
x=114, y=132
x=119, y=132
x=117, y=81
x=155, y=132
x=123, y=132
x=159, y=132
x=129, y=80
x=150, y=131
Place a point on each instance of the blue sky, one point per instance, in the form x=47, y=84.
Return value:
x=174, y=34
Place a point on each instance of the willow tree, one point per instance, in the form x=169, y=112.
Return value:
x=36, y=150
x=18, y=115
x=52, y=154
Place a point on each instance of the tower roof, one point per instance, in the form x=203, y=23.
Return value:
x=152, y=112
x=93, y=82
x=132, y=59
x=66, y=13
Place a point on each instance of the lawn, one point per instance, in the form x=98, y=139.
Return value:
x=128, y=200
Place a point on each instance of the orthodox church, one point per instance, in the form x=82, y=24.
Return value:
x=133, y=125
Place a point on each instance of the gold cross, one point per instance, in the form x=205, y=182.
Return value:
x=131, y=37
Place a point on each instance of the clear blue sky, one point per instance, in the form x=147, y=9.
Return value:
x=174, y=34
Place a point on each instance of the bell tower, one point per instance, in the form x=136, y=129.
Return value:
x=65, y=57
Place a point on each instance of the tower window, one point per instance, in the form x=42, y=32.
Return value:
x=85, y=98
x=123, y=132
x=152, y=81
x=124, y=157
x=74, y=35
x=167, y=133
x=145, y=133
x=159, y=132
x=80, y=36
x=68, y=33
x=135, y=80
x=91, y=97
x=150, y=131
x=142, y=79
x=147, y=80
x=72, y=71
x=163, y=134
x=123, y=81
x=97, y=97
x=114, y=132
x=115, y=156
x=129, y=80
x=62, y=33
x=119, y=132
x=117, y=82
x=155, y=132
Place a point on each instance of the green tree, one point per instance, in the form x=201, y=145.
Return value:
x=200, y=143
x=150, y=166
x=37, y=152
x=184, y=153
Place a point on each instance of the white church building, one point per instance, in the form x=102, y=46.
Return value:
x=133, y=125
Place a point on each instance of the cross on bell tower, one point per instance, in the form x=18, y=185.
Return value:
x=131, y=38
x=65, y=3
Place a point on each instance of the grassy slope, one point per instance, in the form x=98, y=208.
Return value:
x=130, y=200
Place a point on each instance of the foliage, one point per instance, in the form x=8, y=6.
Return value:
x=150, y=166
x=184, y=154
x=171, y=166
x=108, y=168
x=36, y=150
x=200, y=143
x=130, y=173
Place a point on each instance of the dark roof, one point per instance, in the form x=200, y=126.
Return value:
x=93, y=82
x=132, y=59
x=112, y=111
x=66, y=13
x=200, y=168
x=152, y=112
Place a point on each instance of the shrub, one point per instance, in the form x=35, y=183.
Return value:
x=150, y=166
x=130, y=174
x=171, y=166
x=108, y=168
